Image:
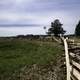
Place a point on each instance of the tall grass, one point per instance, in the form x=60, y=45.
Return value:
x=15, y=54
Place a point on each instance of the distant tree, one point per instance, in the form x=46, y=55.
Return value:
x=44, y=29
x=77, y=29
x=56, y=28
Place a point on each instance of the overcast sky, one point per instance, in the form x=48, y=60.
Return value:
x=39, y=13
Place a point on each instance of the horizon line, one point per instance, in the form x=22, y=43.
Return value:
x=4, y=25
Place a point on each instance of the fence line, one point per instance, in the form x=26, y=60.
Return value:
x=72, y=55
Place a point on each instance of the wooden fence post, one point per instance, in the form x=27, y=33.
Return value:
x=67, y=59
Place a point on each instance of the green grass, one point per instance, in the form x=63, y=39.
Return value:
x=15, y=54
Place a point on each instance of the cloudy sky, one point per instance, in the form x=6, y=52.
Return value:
x=36, y=14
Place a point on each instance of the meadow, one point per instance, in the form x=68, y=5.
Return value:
x=16, y=54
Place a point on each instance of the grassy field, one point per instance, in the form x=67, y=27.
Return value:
x=16, y=54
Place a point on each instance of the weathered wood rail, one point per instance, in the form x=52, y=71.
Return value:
x=72, y=54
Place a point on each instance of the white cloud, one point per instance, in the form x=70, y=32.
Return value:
x=23, y=17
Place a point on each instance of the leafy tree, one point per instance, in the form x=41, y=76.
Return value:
x=56, y=28
x=77, y=29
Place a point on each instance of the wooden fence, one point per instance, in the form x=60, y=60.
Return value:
x=72, y=54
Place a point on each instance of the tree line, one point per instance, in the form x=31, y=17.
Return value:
x=56, y=29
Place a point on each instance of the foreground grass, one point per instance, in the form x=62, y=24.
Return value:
x=15, y=54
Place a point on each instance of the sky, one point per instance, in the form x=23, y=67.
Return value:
x=36, y=14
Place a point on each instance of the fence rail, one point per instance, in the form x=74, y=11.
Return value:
x=72, y=54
